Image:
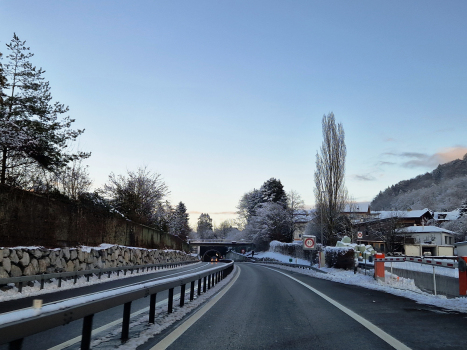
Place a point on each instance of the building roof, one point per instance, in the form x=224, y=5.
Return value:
x=446, y=215
x=402, y=213
x=424, y=229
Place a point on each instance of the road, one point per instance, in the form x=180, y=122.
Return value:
x=54, y=337
x=266, y=309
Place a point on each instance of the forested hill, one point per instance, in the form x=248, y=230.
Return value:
x=443, y=189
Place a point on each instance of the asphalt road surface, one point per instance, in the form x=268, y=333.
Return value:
x=265, y=309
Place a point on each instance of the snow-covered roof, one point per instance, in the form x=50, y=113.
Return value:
x=425, y=229
x=446, y=215
x=303, y=215
x=401, y=213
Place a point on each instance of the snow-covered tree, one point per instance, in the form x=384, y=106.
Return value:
x=137, y=194
x=31, y=130
x=247, y=204
x=273, y=191
x=204, y=227
x=179, y=223
x=271, y=222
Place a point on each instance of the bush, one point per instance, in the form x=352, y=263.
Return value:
x=340, y=257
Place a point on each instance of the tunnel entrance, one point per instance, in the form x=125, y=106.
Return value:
x=213, y=253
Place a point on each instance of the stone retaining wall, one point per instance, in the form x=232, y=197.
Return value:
x=16, y=262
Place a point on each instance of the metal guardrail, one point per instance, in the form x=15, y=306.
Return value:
x=426, y=261
x=300, y=266
x=98, y=272
x=16, y=325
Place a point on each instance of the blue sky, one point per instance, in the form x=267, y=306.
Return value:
x=219, y=96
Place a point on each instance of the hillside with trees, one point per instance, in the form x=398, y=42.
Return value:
x=443, y=189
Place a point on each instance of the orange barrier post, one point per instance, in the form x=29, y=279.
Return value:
x=462, y=275
x=379, y=267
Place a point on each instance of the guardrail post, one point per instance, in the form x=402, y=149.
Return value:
x=182, y=295
x=42, y=282
x=152, y=308
x=170, y=301
x=86, y=333
x=462, y=266
x=75, y=278
x=126, y=321
x=20, y=287
x=199, y=286
x=209, y=281
x=16, y=344
x=192, y=290
x=204, y=284
x=379, y=267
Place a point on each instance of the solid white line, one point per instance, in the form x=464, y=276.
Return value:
x=169, y=339
x=396, y=344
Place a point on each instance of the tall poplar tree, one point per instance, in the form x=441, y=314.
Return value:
x=330, y=191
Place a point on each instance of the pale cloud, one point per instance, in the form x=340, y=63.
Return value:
x=364, y=177
x=423, y=160
x=389, y=139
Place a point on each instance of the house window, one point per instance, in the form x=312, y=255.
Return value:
x=445, y=239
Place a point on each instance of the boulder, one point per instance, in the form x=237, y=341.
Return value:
x=37, y=253
x=29, y=270
x=19, y=253
x=42, y=265
x=15, y=271
x=3, y=273
x=6, y=252
x=81, y=255
x=73, y=254
x=25, y=260
x=14, y=257
x=6, y=264
x=69, y=266
x=66, y=253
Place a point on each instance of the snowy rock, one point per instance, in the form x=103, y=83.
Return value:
x=73, y=254
x=36, y=253
x=81, y=255
x=19, y=254
x=6, y=252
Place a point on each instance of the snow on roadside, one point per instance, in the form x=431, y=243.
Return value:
x=280, y=257
x=393, y=284
x=407, y=265
x=141, y=331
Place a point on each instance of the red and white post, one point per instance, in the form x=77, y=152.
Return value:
x=379, y=267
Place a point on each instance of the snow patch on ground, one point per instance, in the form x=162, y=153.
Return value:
x=280, y=257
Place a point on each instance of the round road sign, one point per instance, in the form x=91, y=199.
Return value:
x=309, y=242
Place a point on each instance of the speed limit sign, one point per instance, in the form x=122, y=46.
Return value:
x=360, y=234
x=309, y=242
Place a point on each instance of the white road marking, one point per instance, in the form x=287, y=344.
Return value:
x=396, y=344
x=107, y=326
x=169, y=339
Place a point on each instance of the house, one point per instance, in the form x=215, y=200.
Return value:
x=382, y=224
x=443, y=216
x=301, y=218
x=427, y=240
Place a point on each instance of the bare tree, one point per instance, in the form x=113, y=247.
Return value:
x=330, y=191
x=74, y=179
x=137, y=194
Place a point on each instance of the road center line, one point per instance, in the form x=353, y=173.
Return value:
x=169, y=339
x=396, y=344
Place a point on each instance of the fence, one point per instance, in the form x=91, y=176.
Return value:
x=19, y=281
x=17, y=325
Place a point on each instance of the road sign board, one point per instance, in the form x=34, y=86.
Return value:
x=309, y=242
x=360, y=234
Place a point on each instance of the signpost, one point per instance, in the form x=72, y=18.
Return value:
x=309, y=242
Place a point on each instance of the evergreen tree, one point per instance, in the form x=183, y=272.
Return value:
x=204, y=228
x=30, y=128
x=179, y=225
x=273, y=191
